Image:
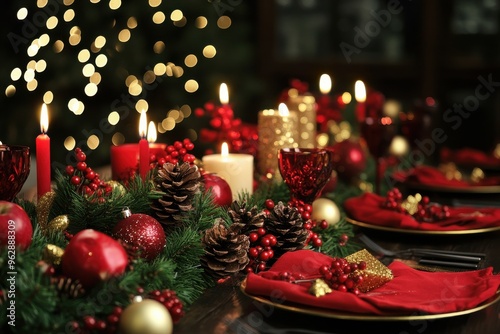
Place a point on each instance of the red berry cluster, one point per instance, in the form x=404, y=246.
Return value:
x=91, y=324
x=311, y=225
x=177, y=152
x=86, y=180
x=261, y=249
x=170, y=300
x=424, y=210
x=342, y=275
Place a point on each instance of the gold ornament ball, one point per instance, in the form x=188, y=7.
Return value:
x=325, y=209
x=146, y=317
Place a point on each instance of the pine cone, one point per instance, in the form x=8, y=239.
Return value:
x=287, y=225
x=246, y=220
x=179, y=184
x=68, y=287
x=226, y=250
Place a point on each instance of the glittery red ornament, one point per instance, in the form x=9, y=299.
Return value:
x=349, y=159
x=142, y=232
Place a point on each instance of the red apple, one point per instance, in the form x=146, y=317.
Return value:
x=92, y=257
x=220, y=189
x=15, y=225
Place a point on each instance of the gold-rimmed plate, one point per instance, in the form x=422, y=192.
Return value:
x=327, y=313
x=415, y=231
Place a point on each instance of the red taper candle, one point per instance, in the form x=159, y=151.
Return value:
x=43, y=155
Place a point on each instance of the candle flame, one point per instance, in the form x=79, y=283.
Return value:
x=223, y=94
x=360, y=91
x=325, y=84
x=152, y=132
x=283, y=110
x=44, y=119
x=1, y=142
x=224, y=150
x=143, y=125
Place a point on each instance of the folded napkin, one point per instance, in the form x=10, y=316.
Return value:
x=432, y=176
x=470, y=157
x=411, y=291
x=368, y=208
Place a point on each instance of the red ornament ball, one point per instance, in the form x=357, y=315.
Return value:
x=349, y=159
x=15, y=226
x=142, y=232
x=219, y=188
x=92, y=257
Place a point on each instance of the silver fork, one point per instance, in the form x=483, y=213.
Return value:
x=460, y=257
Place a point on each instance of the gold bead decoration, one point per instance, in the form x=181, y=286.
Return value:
x=43, y=209
x=59, y=223
x=319, y=288
x=146, y=317
x=117, y=187
x=52, y=254
x=477, y=175
x=410, y=204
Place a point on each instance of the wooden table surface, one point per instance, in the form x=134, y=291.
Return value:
x=225, y=309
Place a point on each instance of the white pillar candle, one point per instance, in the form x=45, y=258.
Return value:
x=236, y=169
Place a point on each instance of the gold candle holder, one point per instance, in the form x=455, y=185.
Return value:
x=306, y=107
x=276, y=131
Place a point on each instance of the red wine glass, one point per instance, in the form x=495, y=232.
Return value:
x=305, y=171
x=14, y=170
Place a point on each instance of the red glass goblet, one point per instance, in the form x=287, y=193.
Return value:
x=14, y=170
x=305, y=171
x=378, y=133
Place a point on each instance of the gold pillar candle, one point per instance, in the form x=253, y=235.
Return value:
x=276, y=129
x=305, y=106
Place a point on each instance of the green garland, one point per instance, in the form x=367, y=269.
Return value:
x=45, y=310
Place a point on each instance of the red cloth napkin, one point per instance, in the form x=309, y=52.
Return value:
x=367, y=208
x=432, y=176
x=470, y=157
x=410, y=291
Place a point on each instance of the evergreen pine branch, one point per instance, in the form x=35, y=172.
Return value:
x=276, y=191
x=331, y=238
x=204, y=212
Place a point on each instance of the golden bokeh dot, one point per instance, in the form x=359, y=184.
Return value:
x=181, y=23
x=191, y=86
x=88, y=70
x=191, y=60
x=41, y=3
x=41, y=65
x=80, y=109
x=149, y=77
x=209, y=51
x=75, y=39
x=73, y=105
x=115, y=4
x=94, y=48
x=83, y=56
x=101, y=60
x=130, y=80
x=52, y=22
x=168, y=71
x=32, y=50
x=201, y=22
x=174, y=114
x=22, y=13
x=135, y=89
x=69, y=15
x=90, y=89
x=58, y=46
x=224, y=22
x=32, y=85
x=113, y=118
x=186, y=110
x=48, y=97
x=124, y=36
x=142, y=105
x=29, y=75
x=118, y=139
x=75, y=30
x=31, y=64
x=68, y=2
x=95, y=1
x=159, y=69
x=69, y=143
x=95, y=78
x=168, y=124
x=16, y=74
x=176, y=15
x=154, y=3
x=93, y=142
x=159, y=47
x=178, y=71
x=159, y=17
x=10, y=90
x=100, y=41
x=132, y=22
x=44, y=40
